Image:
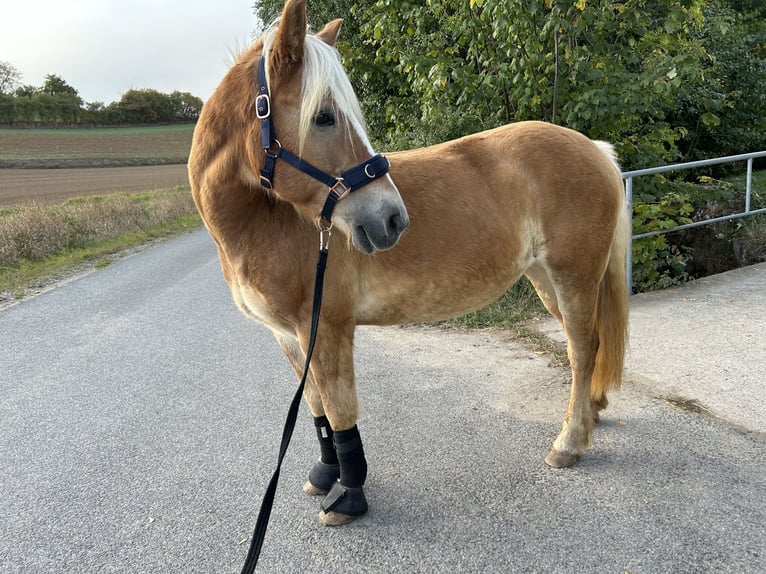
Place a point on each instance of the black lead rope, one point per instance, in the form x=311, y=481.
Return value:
x=259, y=533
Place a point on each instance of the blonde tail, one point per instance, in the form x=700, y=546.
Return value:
x=612, y=313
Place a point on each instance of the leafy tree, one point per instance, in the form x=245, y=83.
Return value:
x=7, y=109
x=610, y=70
x=726, y=114
x=56, y=86
x=26, y=91
x=145, y=106
x=10, y=78
x=186, y=107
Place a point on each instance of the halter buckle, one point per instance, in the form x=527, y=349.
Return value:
x=262, y=106
x=343, y=191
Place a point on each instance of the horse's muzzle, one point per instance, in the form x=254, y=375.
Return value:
x=373, y=234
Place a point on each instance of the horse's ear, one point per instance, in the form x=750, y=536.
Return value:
x=329, y=34
x=287, y=50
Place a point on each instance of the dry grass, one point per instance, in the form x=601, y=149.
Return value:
x=33, y=233
x=42, y=243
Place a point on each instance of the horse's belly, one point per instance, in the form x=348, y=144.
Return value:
x=425, y=301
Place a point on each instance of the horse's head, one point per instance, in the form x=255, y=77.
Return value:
x=315, y=115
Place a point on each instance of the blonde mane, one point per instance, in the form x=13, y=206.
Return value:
x=324, y=83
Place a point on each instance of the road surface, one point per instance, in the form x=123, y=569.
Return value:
x=141, y=414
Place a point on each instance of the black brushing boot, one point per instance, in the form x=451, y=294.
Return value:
x=346, y=498
x=326, y=470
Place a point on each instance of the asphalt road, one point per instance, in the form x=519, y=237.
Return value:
x=140, y=416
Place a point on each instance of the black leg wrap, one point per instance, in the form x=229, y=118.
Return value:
x=325, y=435
x=353, y=466
x=346, y=495
x=326, y=470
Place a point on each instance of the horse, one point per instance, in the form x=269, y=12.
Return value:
x=436, y=233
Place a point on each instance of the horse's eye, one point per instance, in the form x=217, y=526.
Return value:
x=324, y=119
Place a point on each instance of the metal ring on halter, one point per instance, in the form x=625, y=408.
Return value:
x=367, y=173
x=278, y=145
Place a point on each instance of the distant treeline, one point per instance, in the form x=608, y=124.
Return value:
x=58, y=103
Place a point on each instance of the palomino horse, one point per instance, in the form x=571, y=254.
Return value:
x=528, y=199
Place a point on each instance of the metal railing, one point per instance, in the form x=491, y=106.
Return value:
x=628, y=176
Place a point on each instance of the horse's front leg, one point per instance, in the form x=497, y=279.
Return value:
x=341, y=470
x=326, y=469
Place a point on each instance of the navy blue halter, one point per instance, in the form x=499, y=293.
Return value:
x=340, y=186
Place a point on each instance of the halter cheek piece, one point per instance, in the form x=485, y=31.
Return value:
x=340, y=186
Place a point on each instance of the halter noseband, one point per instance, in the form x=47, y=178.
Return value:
x=340, y=186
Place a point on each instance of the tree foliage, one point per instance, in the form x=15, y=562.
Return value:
x=662, y=79
x=10, y=78
x=56, y=102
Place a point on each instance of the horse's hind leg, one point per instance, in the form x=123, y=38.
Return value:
x=547, y=293
x=545, y=290
x=578, y=315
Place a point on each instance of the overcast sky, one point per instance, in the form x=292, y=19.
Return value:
x=102, y=48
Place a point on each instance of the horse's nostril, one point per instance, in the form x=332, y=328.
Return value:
x=398, y=223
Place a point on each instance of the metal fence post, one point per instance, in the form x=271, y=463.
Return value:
x=629, y=207
x=748, y=184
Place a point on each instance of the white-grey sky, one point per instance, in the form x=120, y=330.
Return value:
x=103, y=48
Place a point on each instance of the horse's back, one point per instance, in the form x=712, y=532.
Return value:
x=534, y=174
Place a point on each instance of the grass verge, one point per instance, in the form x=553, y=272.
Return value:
x=40, y=244
x=515, y=312
x=517, y=305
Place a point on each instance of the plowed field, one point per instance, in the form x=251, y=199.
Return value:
x=94, y=147
x=20, y=186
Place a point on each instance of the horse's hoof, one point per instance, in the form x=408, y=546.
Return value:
x=335, y=518
x=558, y=459
x=312, y=490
